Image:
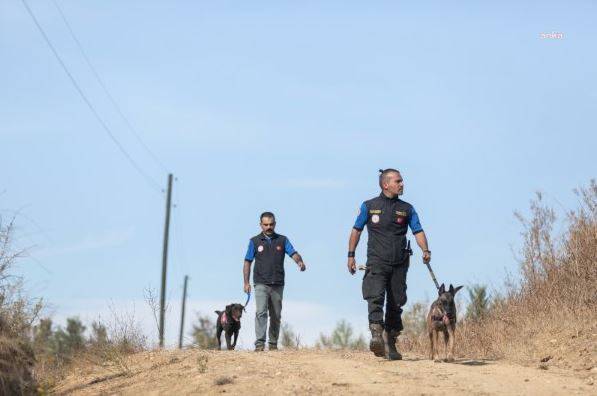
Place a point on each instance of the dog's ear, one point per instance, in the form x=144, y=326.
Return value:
x=228, y=307
x=442, y=289
x=455, y=290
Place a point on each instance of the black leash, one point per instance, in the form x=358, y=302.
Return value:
x=410, y=252
x=432, y=275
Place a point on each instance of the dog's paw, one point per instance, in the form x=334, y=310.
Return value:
x=437, y=360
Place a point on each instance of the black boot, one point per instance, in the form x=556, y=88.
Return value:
x=376, y=343
x=389, y=340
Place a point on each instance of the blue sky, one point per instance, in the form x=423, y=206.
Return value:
x=289, y=107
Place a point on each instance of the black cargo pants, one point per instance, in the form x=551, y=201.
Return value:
x=385, y=282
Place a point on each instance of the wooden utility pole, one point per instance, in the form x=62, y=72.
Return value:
x=184, y=301
x=165, y=261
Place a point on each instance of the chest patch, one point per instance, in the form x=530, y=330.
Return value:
x=375, y=211
x=279, y=248
x=375, y=219
x=401, y=217
x=260, y=248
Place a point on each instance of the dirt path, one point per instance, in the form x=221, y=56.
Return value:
x=315, y=372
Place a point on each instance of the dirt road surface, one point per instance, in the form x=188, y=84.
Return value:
x=191, y=372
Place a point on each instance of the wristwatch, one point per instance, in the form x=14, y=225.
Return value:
x=427, y=251
x=350, y=254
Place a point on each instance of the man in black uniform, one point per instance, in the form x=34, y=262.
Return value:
x=387, y=219
x=268, y=250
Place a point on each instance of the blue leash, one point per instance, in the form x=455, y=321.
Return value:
x=247, y=302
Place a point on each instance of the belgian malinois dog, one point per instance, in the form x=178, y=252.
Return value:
x=442, y=318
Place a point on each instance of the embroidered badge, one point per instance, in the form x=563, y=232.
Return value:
x=278, y=248
x=260, y=248
x=375, y=211
x=399, y=213
x=375, y=219
x=401, y=220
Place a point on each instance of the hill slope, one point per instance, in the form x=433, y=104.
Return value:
x=314, y=372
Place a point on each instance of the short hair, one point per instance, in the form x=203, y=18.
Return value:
x=267, y=214
x=384, y=174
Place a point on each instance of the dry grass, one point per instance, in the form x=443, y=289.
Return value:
x=29, y=365
x=17, y=313
x=125, y=338
x=550, y=313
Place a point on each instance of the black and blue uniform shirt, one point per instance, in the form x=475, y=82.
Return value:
x=387, y=221
x=268, y=253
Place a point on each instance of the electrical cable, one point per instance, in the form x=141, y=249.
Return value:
x=107, y=92
x=130, y=159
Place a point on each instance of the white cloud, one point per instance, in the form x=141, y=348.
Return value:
x=107, y=239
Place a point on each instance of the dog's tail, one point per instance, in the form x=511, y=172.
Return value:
x=218, y=312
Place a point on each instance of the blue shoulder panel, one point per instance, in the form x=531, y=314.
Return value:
x=414, y=223
x=361, y=220
x=250, y=251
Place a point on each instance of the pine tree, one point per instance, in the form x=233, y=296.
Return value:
x=478, y=305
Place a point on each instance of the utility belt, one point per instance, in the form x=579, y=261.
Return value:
x=407, y=252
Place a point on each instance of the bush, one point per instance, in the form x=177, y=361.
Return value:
x=17, y=315
x=27, y=343
x=414, y=320
x=550, y=310
x=478, y=306
x=60, y=350
x=204, y=333
x=341, y=338
x=289, y=339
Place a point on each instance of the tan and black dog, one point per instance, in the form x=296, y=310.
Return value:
x=442, y=319
x=229, y=322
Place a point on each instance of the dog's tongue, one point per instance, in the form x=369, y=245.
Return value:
x=446, y=320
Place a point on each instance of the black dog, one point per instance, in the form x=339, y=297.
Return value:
x=229, y=322
x=442, y=319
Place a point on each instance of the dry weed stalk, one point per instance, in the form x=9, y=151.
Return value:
x=17, y=314
x=551, y=309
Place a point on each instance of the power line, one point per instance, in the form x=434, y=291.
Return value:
x=148, y=178
x=107, y=92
